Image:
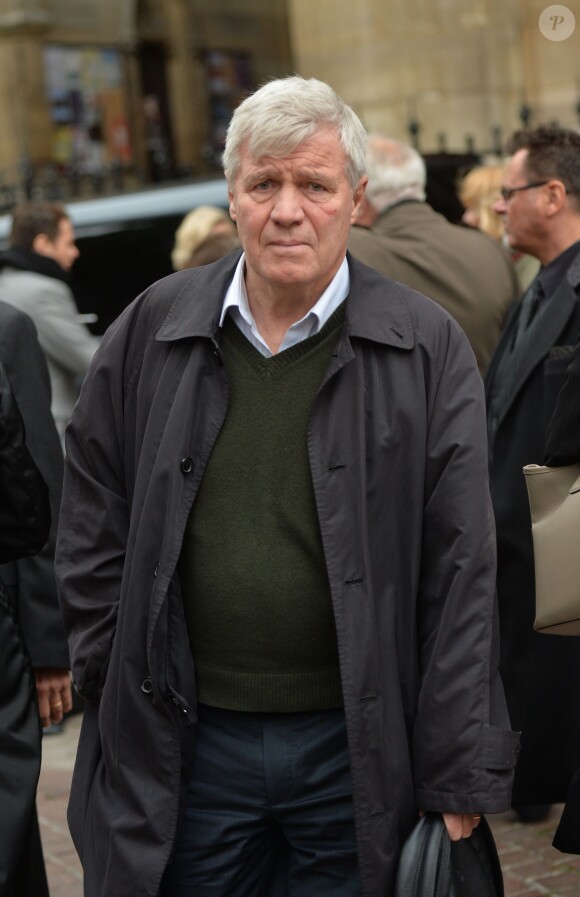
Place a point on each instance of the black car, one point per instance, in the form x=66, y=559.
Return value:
x=125, y=242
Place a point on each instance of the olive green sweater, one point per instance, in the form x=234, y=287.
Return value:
x=254, y=581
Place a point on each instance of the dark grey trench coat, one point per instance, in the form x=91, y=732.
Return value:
x=397, y=449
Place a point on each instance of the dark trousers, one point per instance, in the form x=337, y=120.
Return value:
x=269, y=809
x=22, y=872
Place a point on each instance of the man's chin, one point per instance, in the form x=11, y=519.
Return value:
x=512, y=243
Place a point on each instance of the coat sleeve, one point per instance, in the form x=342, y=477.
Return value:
x=64, y=339
x=94, y=518
x=33, y=577
x=464, y=749
x=24, y=505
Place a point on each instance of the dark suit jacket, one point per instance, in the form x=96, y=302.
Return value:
x=563, y=447
x=541, y=673
x=563, y=437
x=29, y=613
x=462, y=269
x=33, y=577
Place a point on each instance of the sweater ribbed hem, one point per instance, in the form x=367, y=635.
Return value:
x=269, y=692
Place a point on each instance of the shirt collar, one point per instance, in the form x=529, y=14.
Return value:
x=236, y=300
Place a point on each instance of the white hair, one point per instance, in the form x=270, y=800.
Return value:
x=283, y=113
x=395, y=171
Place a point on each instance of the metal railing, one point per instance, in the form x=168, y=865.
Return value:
x=57, y=183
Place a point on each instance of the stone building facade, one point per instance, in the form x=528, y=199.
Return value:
x=147, y=85
x=465, y=72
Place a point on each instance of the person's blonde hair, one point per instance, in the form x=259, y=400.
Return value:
x=478, y=191
x=195, y=228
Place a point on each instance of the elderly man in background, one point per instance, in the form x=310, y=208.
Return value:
x=276, y=557
x=399, y=234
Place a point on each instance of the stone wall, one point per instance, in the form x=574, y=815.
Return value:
x=462, y=69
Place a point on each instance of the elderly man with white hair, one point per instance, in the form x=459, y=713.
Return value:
x=276, y=555
x=399, y=234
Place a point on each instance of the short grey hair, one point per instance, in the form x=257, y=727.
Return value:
x=395, y=171
x=283, y=113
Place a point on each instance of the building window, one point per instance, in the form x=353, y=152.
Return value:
x=229, y=80
x=88, y=108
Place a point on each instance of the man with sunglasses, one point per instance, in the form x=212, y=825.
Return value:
x=540, y=204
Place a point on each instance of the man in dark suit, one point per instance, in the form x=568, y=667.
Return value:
x=32, y=630
x=541, y=207
x=33, y=578
x=399, y=234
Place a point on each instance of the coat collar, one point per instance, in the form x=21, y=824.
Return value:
x=34, y=262
x=574, y=272
x=407, y=214
x=376, y=309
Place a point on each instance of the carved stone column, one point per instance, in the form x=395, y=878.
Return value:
x=187, y=92
x=25, y=132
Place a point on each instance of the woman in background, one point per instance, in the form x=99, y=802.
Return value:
x=478, y=191
x=197, y=226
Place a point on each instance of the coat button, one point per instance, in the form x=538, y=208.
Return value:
x=147, y=686
x=186, y=465
x=217, y=356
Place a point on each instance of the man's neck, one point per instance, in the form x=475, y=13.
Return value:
x=275, y=310
x=274, y=318
x=557, y=243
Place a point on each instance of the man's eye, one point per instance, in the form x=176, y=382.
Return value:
x=263, y=185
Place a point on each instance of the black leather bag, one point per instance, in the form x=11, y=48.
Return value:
x=431, y=865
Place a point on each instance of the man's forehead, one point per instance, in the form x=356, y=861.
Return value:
x=517, y=163
x=316, y=144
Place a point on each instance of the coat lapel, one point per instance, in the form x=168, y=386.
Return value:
x=561, y=309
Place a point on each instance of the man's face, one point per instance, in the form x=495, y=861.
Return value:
x=523, y=211
x=294, y=216
x=63, y=248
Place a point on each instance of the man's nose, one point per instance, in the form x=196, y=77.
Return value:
x=500, y=206
x=288, y=207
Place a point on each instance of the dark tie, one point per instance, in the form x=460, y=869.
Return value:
x=531, y=302
x=537, y=300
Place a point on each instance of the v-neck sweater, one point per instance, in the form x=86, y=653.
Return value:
x=252, y=568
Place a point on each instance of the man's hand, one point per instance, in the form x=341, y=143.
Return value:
x=53, y=688
x=460, y=825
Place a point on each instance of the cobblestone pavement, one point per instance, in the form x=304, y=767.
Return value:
x=531, y=866
x=65, y=876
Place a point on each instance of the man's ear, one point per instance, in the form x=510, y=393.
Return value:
x=42, y=244
x=232, y=205
x=556, y=196
x=366, y=214
x=359, y=198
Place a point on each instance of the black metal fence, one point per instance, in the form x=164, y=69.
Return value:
x=64, y=183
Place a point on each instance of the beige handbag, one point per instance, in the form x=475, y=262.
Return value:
x=554, y=494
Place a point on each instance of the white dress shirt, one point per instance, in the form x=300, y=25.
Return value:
x=236, y=303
